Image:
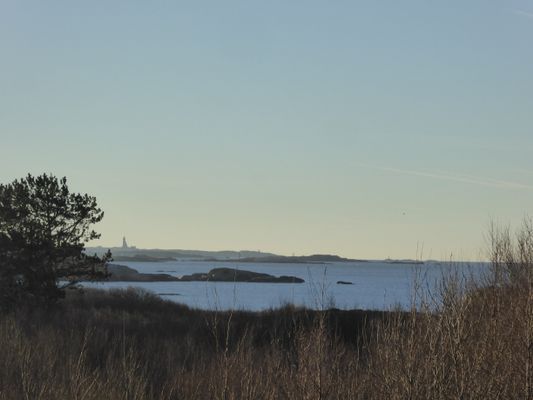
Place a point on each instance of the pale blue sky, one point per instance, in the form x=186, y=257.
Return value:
x=364, y=129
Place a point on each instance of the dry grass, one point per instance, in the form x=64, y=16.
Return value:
x=473, y=344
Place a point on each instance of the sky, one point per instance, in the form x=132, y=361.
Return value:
x=369, y=129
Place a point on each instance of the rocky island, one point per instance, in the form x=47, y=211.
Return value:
x=127, y=274
x=121, y=273
x=237, y=275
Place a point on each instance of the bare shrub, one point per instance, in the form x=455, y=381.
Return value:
x=471, y=340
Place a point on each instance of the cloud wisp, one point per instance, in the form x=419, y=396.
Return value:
x=523, y=13
x=474, y=180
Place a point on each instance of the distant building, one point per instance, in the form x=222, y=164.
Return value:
x=124, y=243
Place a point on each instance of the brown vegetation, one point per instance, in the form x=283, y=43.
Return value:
x=472, y=344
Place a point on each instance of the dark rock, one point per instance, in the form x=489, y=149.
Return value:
x=344, y=283
x=121, y=273
x=236, y=275
x=126, y=274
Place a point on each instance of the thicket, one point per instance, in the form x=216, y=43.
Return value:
x=472, y=341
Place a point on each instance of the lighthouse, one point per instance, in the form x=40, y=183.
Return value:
x=124, y=243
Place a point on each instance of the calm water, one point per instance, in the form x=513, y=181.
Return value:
x=376, y=285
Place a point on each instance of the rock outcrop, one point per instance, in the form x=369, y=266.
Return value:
x=237, y=275
x=126, y=274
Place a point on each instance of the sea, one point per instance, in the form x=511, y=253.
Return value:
x=374, y=285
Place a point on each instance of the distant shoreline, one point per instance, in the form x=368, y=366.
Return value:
x=133, y=254
x=319, y=259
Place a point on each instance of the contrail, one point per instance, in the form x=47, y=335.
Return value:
x=457, y=178
x=524, y=13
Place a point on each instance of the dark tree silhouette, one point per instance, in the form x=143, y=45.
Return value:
x=43, y=231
